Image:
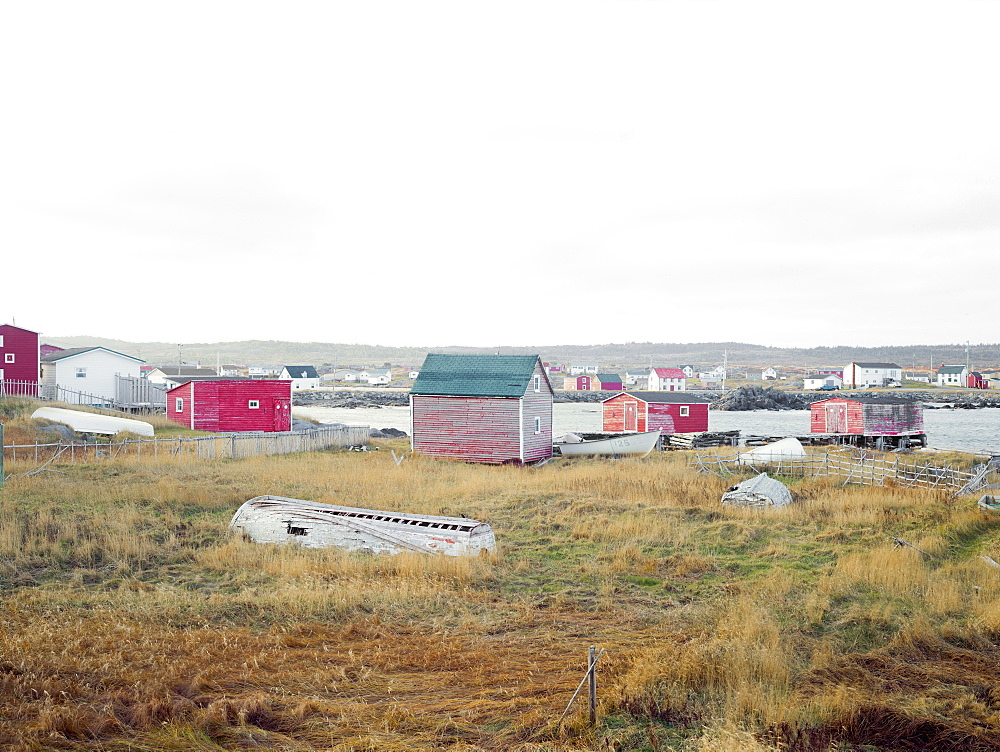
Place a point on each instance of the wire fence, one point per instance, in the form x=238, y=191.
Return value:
x=859, y=466
x=28, y=459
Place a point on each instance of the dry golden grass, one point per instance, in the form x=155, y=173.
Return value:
x=131, y=619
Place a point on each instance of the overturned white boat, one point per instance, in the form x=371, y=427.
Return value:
x=277, y=519
x=762, y=491
x=631, y=443
x=784, y=449
x=84, y=422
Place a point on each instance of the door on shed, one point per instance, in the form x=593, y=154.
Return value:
x=630, y=416
x=282, y=415
x=836, y=418
x=585, y=383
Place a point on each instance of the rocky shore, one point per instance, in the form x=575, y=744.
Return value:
x=742, y=399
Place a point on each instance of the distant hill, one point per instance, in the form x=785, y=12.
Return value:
x=271, y=352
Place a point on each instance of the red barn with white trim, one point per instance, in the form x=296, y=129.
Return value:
x=669, y=412
x=19, y=357
x=482, y=408
x=867, y=416
x=232, y=405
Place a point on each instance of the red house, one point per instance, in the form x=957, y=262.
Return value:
x=977, y=381
x=232, y=405
x=584, y=383
x=19, y=358
x=482, y=408
x=669, y=412
x=865, y=416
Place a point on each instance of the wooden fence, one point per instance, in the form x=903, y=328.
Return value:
x=24, y=459
x=860, y=466
x=131, y=394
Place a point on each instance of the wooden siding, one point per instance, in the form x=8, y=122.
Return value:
x=102, y=367
x=668, y=418
x=537, y=446
x=654, y=416
x=846, y=416
x=183, y=416
x=22, y=344
x=224, y=405
x=474, y=429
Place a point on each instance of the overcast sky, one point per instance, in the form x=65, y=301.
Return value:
x=501, y=173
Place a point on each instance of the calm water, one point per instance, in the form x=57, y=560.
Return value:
x=966, y=430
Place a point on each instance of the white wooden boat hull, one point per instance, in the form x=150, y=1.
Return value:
x=277, y=519
x=84, y=422
x=633, y=443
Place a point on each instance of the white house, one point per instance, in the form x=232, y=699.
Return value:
x=229, y=370
x=666, y=380
x=821, y=380
x=162, y=374
x=716, y=374
x=871, y=374
x=632, y=379
x=262, y=372
x=302, y=377
x=413, y=374
x=88, y=371
x=768, y=374
x=577, y=369
x=689, y=371
x=379, y=378
x=953, y=376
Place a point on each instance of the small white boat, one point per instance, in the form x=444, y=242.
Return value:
x=84, y=422
x=277, y=519
x=631, y=443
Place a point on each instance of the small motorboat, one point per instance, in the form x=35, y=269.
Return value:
x=630, y=443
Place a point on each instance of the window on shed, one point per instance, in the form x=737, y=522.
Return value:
x=1, y=340
x=685, y=411
x=81, y=373
x=538, y=424
x=253, y=404
x=538, y=383
x=178, y=404
x=8, y=358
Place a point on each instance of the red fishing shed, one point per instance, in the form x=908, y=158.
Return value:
x=226, y=404
x=867, y=416
x=669, y=412
x=19, y=356
x=482, y=408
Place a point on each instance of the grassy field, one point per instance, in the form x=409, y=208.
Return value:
x=131, y=620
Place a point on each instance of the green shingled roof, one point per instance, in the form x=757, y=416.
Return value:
x=475, y=375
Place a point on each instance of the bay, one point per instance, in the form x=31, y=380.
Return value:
x=964, y=430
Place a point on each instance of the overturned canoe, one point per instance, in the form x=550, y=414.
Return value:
x=631, y=443
x=277, y=519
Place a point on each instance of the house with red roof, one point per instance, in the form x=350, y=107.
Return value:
x=666, y=380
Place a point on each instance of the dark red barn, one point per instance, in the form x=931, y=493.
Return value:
x=18, y=361
x=232, y=405
x=482, y=408
x=867, y=416
x=669, y=412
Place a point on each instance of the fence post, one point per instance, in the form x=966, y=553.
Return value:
x=591, y=662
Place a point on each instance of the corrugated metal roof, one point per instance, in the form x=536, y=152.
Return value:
x=475, y=375
x=609, y=377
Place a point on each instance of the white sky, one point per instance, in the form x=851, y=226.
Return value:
x=447, y=173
